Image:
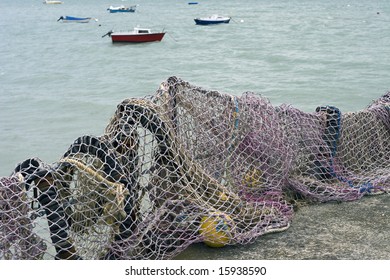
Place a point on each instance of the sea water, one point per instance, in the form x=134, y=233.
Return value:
x=59, y=81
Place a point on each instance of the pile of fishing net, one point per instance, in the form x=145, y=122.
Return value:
x=190, y=165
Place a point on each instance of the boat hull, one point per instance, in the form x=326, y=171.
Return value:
x=74, y=19
x=77, y=20
x=136, y=38
x=210, y=22
x=52, y=2
x=122, y=11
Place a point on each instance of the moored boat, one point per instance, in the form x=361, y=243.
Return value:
x=137, y=35
x=74, y=19
x=122, y=9
x=52, y=2
x=214, y=19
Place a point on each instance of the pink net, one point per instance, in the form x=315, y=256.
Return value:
x=190, y=165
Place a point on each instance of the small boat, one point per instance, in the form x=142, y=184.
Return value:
x=122, y=9
x=52, y=2
x=74, y=19
x=214, y=19
x=192, y=3
x=137, y=35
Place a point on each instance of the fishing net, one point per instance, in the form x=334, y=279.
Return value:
x=190, y=165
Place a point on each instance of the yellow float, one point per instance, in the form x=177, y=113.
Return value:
x=253, y=178
x=216, y=229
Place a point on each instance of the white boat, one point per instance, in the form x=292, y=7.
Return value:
x=52, y=2
x=122, y=9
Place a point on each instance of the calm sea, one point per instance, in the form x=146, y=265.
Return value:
x=59, y=81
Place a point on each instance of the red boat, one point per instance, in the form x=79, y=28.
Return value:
x=138, y=35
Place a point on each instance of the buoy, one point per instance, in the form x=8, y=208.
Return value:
x=223, y=196
x=216, y=229
x=253, y=178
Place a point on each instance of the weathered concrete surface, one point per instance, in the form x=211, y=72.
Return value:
x=358, y=230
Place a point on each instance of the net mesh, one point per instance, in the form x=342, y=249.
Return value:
x=190, y=165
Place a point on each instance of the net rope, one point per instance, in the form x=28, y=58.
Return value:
x=189, y=165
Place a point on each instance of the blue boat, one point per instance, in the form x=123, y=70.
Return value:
x=214, y=19
x=192, y=3
x=74, y=19
x=122, y=9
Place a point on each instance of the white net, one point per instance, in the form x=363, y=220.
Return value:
x=190, y=165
